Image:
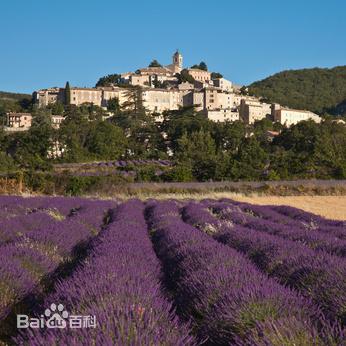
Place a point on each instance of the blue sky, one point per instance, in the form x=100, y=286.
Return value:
x=46, y=43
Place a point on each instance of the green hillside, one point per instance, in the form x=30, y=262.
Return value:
x=320, y=90
x=13, y=96
x=14, y=102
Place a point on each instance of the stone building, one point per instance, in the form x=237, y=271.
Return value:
x=86, y=95
x=222, y=115
x=194, y=98
x=225, y=100
x=56, y=121
x=199, y=75
x=18, y=121
x=150, y=76
x=251, y=110
x=44, y=97
x=289, y=117
x=122, y=94
x=223, y=84
x=160, y=100
x=140, y=80
x=97, y=96
x=177, y=63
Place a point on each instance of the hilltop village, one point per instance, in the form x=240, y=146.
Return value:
x=165, y=88
x=202, y=125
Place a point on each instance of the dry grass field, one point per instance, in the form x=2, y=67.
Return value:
x=332, y=207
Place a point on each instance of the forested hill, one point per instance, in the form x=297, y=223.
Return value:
x=320, y=90
x=14, y=102
x=13, y=96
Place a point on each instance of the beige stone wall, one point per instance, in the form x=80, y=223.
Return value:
x=251, y=110
x=45, y=97
x=57, y=120
x=222, y=115
x=159, y=100
x=236, y=99
x=290, y=117
x=255, y=112
x=111, y=93
x=19, y=120
x=86, y=95
x=199, y=75
x=140, y=80
x=185, y=86
x=210, y=98
x=223, y=84
x=225, y=100
x=194, y=98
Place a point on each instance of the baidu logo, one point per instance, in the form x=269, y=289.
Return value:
x=56, y=317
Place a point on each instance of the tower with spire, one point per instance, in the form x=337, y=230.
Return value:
x=177, y=63
x=178, y=59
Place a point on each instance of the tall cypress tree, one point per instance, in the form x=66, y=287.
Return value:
x=67, y=93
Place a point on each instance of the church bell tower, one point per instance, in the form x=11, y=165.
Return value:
x=178, y=59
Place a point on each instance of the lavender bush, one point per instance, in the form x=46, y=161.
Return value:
x=315, y=240
x=227, y=298
x=119, y=283
x=319, y=276
x=34, y=254
x=256, y=275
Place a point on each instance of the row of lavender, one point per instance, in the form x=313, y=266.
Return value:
x=224, y=296
x=316, y=274
x=119, y=284
x=228, y=300
x=138, y=162
x=37, y=236
x=118, y=163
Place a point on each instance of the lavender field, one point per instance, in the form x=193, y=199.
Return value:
x=216, y=272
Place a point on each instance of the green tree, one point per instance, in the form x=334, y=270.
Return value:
x=155, y=63
x=184, y=76
x=261, y=128
x=92, y=111
x=30, y=149
x=73, y=135
x=251, y=161
x=67, y=94
x=201, y=66
x=216, y=75
x=195, y=146
x=299, y=138
x=184, y=120
x=57, y=108
x=330, y=151
x=181, y=172
x=6, y=163
x=111, y=79
x=106, y=141
x=229, y=135
x=144, y=137
x=113, y=105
